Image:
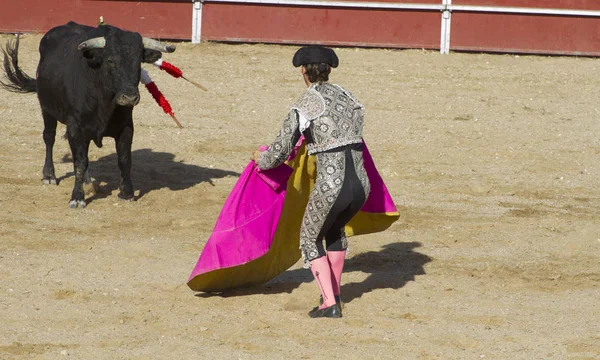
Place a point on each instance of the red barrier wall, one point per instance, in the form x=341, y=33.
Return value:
x=167, y=19
x=435, y=2
x=517, y=33
x=331, y=26
x=472, y=31
x=548, y=4
x=525, y=34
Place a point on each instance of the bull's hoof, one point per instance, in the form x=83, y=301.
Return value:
x=74, y=204
x=129, y=198
x=49, y=181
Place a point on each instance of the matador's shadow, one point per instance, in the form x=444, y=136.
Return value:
x=150, y=171
x=390, y=268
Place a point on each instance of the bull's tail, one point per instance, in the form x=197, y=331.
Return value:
x=19, y=82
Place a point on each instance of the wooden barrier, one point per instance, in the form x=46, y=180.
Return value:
x=326, y=25
x=570, y=27
x=565, y=27
x=166, y=19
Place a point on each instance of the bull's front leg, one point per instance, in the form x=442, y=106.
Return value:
x=79, y=150
x=123, y=143
x=49, y=136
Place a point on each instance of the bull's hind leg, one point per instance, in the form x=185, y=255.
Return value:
x=79, y=150
x=49, y=135
x=123, y=143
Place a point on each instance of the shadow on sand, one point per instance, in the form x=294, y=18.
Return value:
x=392, y=267
x=149, y=171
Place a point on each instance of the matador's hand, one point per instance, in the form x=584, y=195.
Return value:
x=255, y=155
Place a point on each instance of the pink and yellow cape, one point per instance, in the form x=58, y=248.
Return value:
x=257, y=234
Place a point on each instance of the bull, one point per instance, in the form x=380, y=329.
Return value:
x=87, y=78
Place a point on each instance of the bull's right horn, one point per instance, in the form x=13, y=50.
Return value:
x=95, y=43
x=152, y=44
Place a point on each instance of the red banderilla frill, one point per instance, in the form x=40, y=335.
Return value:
x=174, y=71
x=158, y=96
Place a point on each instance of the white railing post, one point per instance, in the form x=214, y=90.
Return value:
x=196, y=21
x=446, y=25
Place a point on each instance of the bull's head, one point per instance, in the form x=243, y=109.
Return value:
x=118, y=55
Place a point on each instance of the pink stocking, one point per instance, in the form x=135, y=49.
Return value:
x=322, y=273
x=336, y=262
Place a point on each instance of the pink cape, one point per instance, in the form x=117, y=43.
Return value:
x=256, y=236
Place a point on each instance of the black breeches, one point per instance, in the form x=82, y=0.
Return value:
x=348, y=203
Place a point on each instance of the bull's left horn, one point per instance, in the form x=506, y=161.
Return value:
x=152, y=44
x=95, y=43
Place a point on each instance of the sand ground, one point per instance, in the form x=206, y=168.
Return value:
x=493, y=162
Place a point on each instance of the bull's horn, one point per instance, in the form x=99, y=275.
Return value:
x=152, y=44
x=95, y=43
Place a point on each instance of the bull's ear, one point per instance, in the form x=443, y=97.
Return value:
x=93, y=57
x=151, y=56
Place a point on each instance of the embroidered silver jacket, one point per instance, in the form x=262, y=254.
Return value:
x=333, y=117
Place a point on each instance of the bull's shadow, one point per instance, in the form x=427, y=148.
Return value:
x=150, y=171
x=392, y=267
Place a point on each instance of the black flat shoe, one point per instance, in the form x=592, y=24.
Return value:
x=329, y=312
x=337, y=301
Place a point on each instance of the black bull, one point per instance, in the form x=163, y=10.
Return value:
x=87, y=78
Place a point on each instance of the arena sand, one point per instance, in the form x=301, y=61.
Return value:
x=493, y=161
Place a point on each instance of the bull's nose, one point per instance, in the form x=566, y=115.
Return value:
x=128, y=100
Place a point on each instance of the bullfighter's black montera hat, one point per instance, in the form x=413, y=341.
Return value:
x=315, y=55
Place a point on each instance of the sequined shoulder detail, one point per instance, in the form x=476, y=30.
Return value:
x=310, y=105
x=348, y=94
